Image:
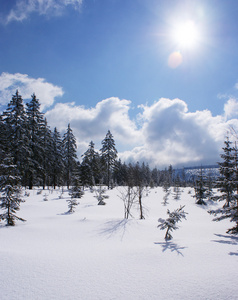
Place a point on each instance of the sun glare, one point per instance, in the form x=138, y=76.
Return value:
x=186, y=35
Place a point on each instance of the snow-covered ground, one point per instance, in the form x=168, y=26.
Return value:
x=96, y=254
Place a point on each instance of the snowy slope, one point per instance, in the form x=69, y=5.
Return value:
x=96, y=254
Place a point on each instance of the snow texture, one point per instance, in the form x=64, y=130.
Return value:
x=96, y=254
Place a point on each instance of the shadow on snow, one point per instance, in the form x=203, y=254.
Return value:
x=173, y=247
x=229, y=240
x=115, y=227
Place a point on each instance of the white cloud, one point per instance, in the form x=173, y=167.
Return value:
x=24, y=8
x=231, y=108
x=45, y=91
x=173, y=135
x=168, y=132
x=93, y=123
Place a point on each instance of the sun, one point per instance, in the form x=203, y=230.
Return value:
x=185, y=34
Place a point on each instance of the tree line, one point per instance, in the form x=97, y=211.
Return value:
x=43, y=157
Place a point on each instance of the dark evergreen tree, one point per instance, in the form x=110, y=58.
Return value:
x=3, y=135
x=17, y=143
x=108, y=155
x=70, y=154
x=100, y=192
x=10, y=192
x=76, y=188
x=235, y=166
x=35, y=124
x=57, y=161
x=47, y=157
x=120, y=173
x=155, y=177
x=200, y=189
x=225, y=183
x=90, y=168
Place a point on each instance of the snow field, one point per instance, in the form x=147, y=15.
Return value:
x=96, y=254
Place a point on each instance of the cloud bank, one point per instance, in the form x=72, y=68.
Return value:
x=168, y=132
x=45, y=91
x=24, y=8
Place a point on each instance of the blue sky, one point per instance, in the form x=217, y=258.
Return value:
x=105, y=64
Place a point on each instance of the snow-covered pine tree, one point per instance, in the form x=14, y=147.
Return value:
x=72, y=203
x=177, y=192
x=3, y=144
x=200, y=189
x=108, y=155
x=227, y=184
x=35, y=124
x=100, y=194
x=17, y=143
x=57, y=161
x=120, y=173
x=90, y=168
x=209, y=185
x=76, y=188
x=170, y=224
x=10, y=192
x=47, y=142
x=69, y=153
x=228, y=212
x=75, y=191
x=155, y=177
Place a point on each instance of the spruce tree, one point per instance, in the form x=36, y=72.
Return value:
x=227, y=184
x=35, y=123
x=170, y=224
x=200, y=189
x=108, y=155
x=47, y=153
x=69, y=153
x=57, y=160
x=90, y=168
x=10, y=192
x=17, y=142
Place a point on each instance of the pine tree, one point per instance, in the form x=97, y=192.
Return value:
x=47, y=154
x=90, y=166
x=109, y=155
x=120, y=173
x=227, y=184
x=17, y=143
x=76, y=190
x=57, y=162
x=10, y=192
x=3, y=134
x=200, y=189
x=70, y=154
x=170, y=223
x=72, y=203
x=100, y=192
x=35, y=123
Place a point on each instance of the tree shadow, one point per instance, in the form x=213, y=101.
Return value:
x=228, y=240
x=173, y=247
x=115, y=227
